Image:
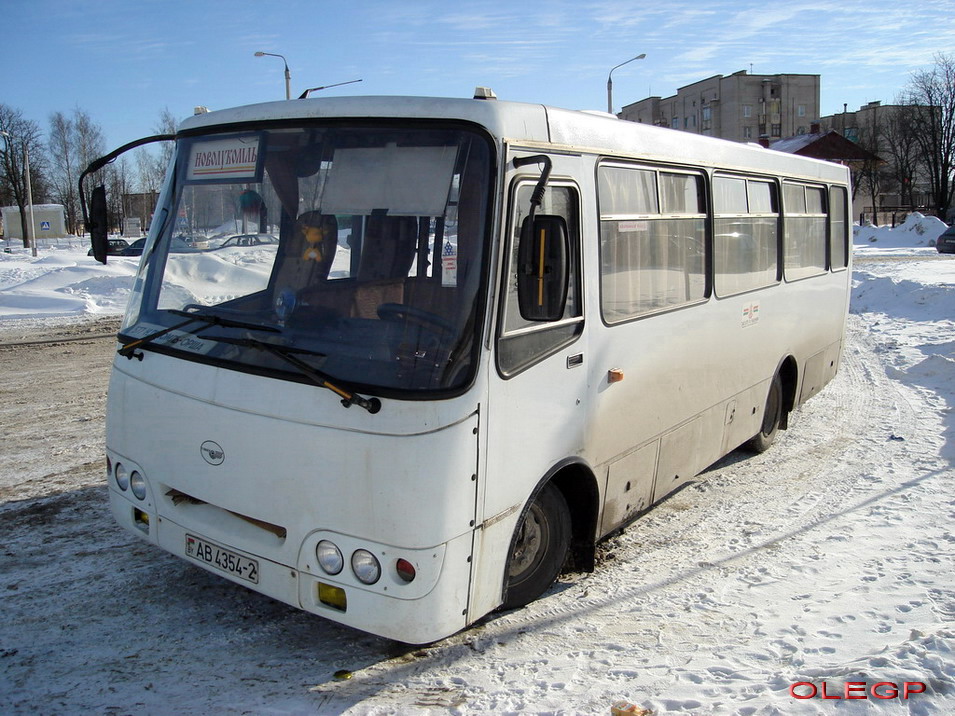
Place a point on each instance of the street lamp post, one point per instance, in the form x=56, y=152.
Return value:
x=288, y=75
x=26, y=226
x=610, y=81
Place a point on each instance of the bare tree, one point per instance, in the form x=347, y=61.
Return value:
x=930, y=101
x=901, y=147
x=167, y=124
x=149, y=170
x=118, y=181
x=152, y=161
x=74, y=142
x=90, y=144
x=867, y=175
x=22, y=136
x=64, y=167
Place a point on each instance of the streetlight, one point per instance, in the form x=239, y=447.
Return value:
x=27, y=228
x=288, y=75
x=610, y=81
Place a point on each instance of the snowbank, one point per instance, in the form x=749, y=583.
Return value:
x=63, y=281
x=916, y=231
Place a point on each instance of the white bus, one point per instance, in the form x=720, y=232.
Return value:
x=436, y=349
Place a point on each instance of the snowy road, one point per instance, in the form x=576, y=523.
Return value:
x=829, y=558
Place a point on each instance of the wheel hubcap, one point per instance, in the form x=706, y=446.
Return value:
x=530, y=543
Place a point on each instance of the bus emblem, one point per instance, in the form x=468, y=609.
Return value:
x=212, y=452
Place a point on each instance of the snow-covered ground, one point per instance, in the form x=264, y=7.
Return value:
x=828, y=559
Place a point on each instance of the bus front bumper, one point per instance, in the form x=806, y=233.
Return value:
x=424, y=613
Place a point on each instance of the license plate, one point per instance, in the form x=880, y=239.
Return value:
x=222, y=559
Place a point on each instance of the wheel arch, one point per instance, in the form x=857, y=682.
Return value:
x=578, y=486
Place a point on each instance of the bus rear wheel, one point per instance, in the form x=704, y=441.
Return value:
x=772, y=417
x=538, y=549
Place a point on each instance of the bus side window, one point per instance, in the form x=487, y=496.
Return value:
x=838, y=251
x=523, y=342
x=804, y=230
x=745, y=246
x=652, y=240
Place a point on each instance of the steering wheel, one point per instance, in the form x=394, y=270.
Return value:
x=401, y=313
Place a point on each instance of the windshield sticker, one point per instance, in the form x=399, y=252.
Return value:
x=141, y=330
x=226, y=160
x=449, y=264
x=186, y=341
x=174, y=339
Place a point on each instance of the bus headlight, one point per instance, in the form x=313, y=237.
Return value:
x=138, y=485
x=122, y=477
x=365, y=566
x=329, y=557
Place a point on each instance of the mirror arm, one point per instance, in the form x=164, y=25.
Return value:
x=98, y=164
x=538, y=195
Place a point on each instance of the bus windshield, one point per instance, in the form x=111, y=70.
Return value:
x=360, y=250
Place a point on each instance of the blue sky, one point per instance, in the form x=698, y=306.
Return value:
x=123, y=62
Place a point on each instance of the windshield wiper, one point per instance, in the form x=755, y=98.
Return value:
x=217, y=320
x=129, y=350
x=284, y=353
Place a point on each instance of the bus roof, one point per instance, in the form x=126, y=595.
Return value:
x=540, y=126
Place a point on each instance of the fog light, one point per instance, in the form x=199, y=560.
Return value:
x=122, y=477
x=329, y=557
x=333, y=597
x=365, y=566
x=405, y=570
x=138, y=485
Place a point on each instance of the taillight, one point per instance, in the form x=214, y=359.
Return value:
x=405, y=570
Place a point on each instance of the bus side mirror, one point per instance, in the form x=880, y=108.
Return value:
x=542, y=273
x=99, y=224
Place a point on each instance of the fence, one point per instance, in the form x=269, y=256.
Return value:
x=892, y=215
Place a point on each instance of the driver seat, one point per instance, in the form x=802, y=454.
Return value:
x=386, y=258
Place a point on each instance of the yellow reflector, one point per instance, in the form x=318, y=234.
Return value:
x=141, y=519
x=333, y=597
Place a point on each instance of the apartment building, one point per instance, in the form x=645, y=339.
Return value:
x=741, y=107
x=865, y=124
x=889, y=188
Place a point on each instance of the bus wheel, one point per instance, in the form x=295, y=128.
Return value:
x=539, y=548
x=772, y=417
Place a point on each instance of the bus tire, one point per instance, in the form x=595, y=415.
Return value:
x=538, y=549
x=772, y=418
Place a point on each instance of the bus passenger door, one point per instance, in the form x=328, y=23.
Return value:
x=538, y=394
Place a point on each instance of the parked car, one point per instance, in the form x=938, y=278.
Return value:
x=178, y=246
x=194, y=242
x=135, y=248
x=945, y=244
x=114, y=248
x=248, y=240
